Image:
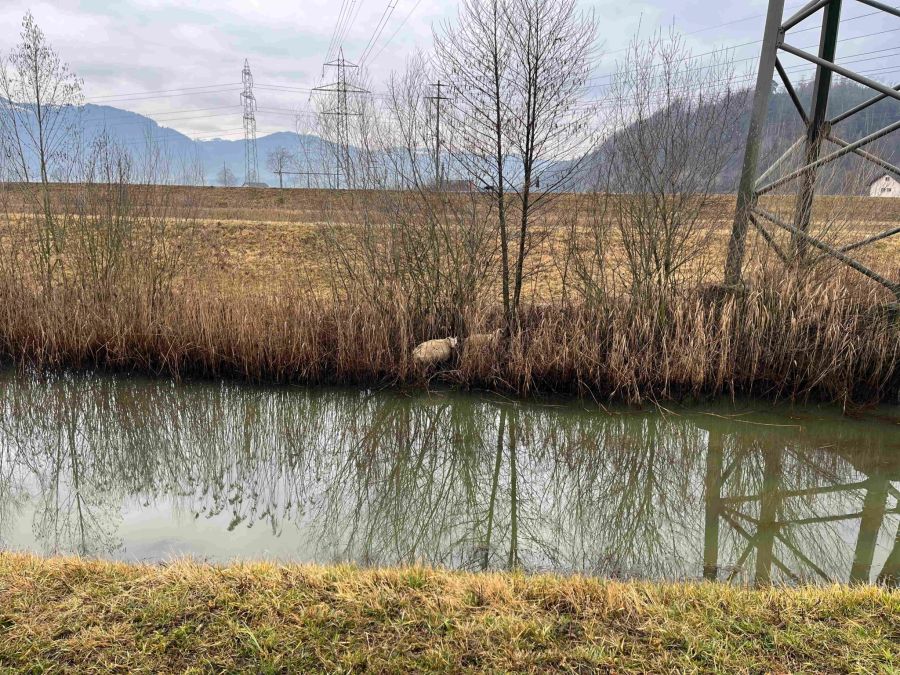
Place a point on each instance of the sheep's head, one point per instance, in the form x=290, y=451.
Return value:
x=452, y=341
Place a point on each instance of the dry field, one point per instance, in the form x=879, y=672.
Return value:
x=258, y=240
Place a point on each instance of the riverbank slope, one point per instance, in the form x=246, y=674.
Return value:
x=336, y=287
x=89, y=616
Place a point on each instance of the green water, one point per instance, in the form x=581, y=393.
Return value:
x=144, y=470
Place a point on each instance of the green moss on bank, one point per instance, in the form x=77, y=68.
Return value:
x=86, y=616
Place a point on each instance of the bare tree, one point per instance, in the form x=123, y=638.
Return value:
x=548, y=127
x=38, y=128
x=475, y=56
x=674, y=128
x=226, y=177
x=280, y=161
x=518, y=69
x=38, y=94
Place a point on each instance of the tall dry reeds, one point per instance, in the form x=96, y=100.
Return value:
x=829, y=342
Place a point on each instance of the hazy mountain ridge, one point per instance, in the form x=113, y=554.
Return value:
x=137, y=132
x=189, y=160
x=200, y=161
x=848, y=174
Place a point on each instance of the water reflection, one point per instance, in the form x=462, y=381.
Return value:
x=135, y=469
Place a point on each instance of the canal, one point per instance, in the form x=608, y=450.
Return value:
x=152, y=470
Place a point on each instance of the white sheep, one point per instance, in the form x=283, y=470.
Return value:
x=433, y=352
x=478, y=342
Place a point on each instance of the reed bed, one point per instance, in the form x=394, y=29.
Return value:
x=829, y=342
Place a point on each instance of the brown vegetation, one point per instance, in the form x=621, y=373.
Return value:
x=829, y=340
x=336, y=301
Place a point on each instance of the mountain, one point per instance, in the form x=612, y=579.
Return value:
x=847, y=174
x=187, y=160
x=137, y=132
x=194, y=161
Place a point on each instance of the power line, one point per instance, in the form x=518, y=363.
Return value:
x=745, y=79
x=165, y=91
x=379, y=28
x=152, y=120
x=348, y=13
x=724, y=49
x=394, y=34
x=349, y=20
x=753, y=58
x=336, y=30
x=126, y=99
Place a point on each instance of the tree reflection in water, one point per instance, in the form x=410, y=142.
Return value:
x=462, y=481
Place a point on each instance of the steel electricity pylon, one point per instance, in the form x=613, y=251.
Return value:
x=438, y=99
x=341, y=89
x=819, y=129
x=248, y=100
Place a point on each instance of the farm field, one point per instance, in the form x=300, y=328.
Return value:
x=253, y=240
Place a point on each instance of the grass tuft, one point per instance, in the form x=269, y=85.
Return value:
x=75, y=615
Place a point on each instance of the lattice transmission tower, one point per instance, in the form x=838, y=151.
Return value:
x=340, y=110
x=819, y=128
x=438, y=99
x=248, y=100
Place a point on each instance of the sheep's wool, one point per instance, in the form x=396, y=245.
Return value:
x=477, y=342
x=434, y=352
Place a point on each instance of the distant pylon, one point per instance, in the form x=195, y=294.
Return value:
x=251, y=162
x=343, y=113
x=438, y=99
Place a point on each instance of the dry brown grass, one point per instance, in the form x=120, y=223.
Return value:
x=253, y=240
x=254, y=299
x=256, y=244
x=84, y=616
x=776, y=343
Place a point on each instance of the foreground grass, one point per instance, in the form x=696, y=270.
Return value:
x=69, y=614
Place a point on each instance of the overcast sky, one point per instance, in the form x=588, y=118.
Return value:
x=126, y=51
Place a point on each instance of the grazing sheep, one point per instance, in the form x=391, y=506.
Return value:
x=478, y=342
x=433, y=352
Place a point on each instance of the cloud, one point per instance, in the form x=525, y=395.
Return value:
x=131, y=46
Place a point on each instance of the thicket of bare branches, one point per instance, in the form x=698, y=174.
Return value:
x=518, y=70
x=430, y=248
x=672, y=128
x=95, y=236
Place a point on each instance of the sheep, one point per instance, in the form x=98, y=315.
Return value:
x=434, y=352
x=478, y=342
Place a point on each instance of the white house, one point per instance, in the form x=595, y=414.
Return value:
x=886, y=186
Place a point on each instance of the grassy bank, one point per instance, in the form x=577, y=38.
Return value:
x=67, y=614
